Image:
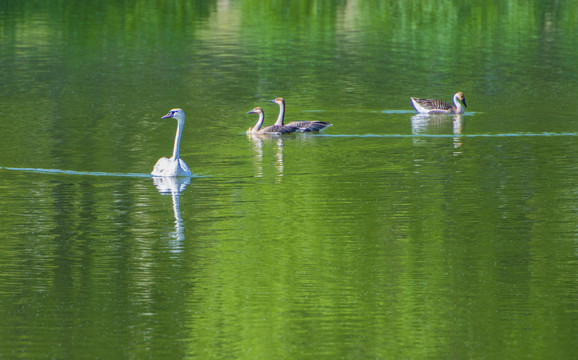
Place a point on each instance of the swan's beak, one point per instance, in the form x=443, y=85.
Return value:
x=169, y=115
x=465, y=102
x=250, y=112
x=272, y=100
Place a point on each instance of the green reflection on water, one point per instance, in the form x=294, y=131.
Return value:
x=376, y=239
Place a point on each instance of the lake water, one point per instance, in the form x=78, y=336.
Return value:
x=388, y=236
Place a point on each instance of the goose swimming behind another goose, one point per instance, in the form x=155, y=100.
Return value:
x=302, y=126
x=273, y=129
x=173, y=166
x=432, y=106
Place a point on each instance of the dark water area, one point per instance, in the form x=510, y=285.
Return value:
x=388, y=235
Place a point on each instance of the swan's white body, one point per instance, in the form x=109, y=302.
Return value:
x=433, y=106
x=169, y=167
x=173, y=166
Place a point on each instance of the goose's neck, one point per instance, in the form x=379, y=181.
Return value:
x=259, y=122
x=281, y=116
x=458, y=105
x=176, y=148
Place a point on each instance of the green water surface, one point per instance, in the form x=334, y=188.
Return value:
x=388, y=236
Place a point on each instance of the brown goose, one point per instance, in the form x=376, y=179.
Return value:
x=273, y=129
x=303, y=126
x=432, y=106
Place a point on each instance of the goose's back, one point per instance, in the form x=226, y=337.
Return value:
x=278, y=129
x=307, y=126
x=432, y=104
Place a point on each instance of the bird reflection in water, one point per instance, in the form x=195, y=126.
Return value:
x=258, y=140
x=427, y=124
x=174, y=186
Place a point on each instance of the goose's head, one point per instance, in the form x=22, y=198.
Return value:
x=278, y=101
x=178, y=114
x=461, y=97
x=256, y=110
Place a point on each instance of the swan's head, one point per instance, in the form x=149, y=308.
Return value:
x=461, y=97
x=278, y=101
x=178, y=114
x=256, y=110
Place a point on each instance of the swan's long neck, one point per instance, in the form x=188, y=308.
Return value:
x=176, y=148
x=259, y=122
x=281, y=117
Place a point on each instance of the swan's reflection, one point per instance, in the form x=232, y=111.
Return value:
x=432, y=124
x=258, y=140
x=174, y=186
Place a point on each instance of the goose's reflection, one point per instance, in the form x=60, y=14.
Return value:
x=258, y=148
x=430, y=124
x=458, y=123
x=174, y=186
x=279, y=164
x=258, y=141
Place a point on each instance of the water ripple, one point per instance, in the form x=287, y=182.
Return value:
x=72, y=172
x=85, y=173
x=447, y=135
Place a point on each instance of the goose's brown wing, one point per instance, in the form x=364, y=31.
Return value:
x=433, y=104
x=307, y=126
x=278, y=129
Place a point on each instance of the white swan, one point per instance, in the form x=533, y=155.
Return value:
x=173, y=166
